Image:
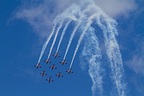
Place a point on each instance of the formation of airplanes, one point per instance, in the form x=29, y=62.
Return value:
x=53, y=67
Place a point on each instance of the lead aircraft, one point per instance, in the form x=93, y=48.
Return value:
x=59, y=75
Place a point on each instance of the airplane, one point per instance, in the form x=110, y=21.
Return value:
x=53, y=67
x=43, y=73
x=63, y=62
x=56, y=55
x=69, y=71
x=50, y=79
x=59, y=75
x=37, y=66
x=47, y=61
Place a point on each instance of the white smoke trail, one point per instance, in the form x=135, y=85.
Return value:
x=116, y=67
x=81, y=37
x=82, y=15
x=69, y=13
x=46, y=43
x=62, y=35
x=93, y=55
x=107, y=24
x=54, y=40
x=113, y=52
x=71, y=38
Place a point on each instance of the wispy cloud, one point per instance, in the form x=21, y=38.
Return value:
x=40, y=15
x=137, y=61
x=131, y=38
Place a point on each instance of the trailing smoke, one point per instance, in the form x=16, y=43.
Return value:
x=92, y=54
x=85, y=13
x=93, y=14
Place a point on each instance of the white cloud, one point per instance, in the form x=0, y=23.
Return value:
x=40, y=15
x=137, y=64
x=116, y=7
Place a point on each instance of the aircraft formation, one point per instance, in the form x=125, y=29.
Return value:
x=52, y=66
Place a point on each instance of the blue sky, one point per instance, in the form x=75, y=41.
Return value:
x=21, y=43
